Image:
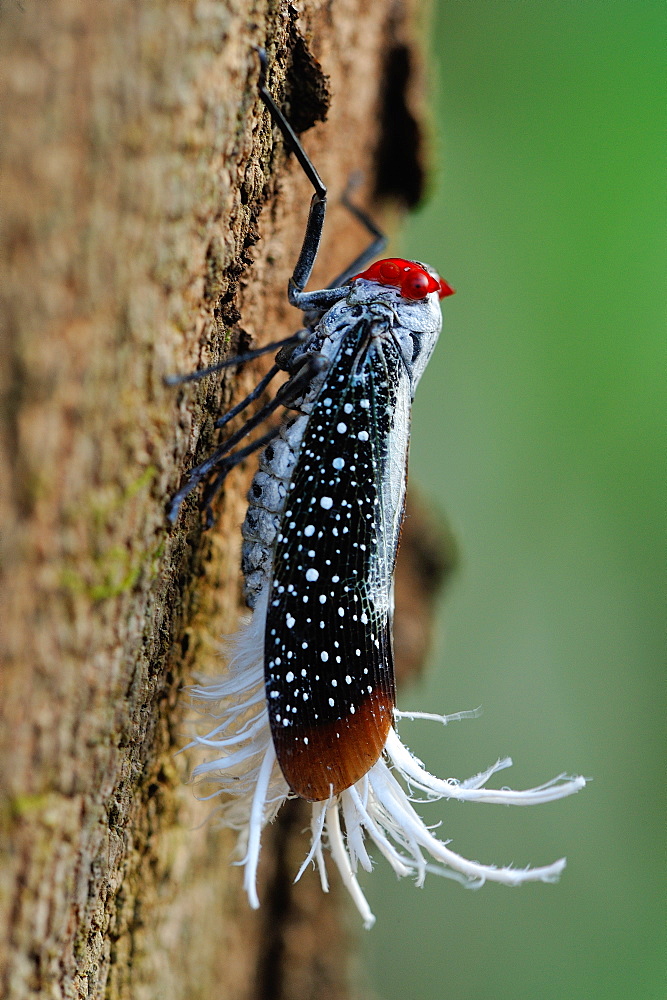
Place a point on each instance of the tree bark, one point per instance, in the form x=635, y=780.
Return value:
x=149, y=220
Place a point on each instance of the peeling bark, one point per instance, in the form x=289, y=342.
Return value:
x=149, y=220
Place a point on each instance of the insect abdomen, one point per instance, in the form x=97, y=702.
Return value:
x=266, y=502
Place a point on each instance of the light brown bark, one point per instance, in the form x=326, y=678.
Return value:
x=148, y=217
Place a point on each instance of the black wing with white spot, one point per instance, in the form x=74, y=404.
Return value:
x=328, y=656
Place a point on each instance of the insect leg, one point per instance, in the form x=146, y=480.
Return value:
x=288, y=132
x=201, y=471
x=227, y=464
x=313, y=303
x=318, y=204
x=238, y=359
x=311, y=365
x=317, y=301
x=251, y=397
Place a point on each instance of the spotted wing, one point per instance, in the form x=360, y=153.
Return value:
x=328, y=652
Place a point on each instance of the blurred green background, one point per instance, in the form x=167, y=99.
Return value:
x=538, y=430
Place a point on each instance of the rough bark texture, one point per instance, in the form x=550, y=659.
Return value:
x=149, y=219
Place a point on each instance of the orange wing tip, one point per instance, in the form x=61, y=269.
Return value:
x=320, y=761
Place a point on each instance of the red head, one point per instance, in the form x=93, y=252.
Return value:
x=413, y=280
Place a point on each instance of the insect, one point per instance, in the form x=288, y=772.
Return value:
x=307, y=706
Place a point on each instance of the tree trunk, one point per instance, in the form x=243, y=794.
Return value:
x=149, y=220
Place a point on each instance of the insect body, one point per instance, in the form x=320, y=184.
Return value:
x=307, y=706
x=338, y=475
